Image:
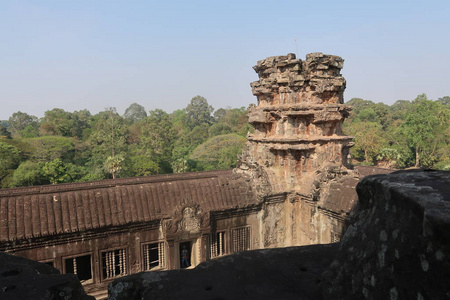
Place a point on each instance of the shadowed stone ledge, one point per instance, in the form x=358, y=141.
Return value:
x=399, y=245
x=22, y=278
x=284, y=273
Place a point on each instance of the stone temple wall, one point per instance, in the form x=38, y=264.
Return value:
x=397, y=247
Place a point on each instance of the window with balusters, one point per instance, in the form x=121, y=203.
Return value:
x=217, y=244
x=240, y=239
x=114, y=263
x=154, y=256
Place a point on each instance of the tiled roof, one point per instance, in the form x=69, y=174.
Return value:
x=342, y=196
x=69, y=208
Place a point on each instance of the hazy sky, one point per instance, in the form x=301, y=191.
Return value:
x=93, y=54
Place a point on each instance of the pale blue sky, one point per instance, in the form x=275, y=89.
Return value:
x=89, y=54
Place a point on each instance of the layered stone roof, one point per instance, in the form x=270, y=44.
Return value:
x=50, y=210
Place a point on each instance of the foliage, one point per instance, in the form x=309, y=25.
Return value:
x=388, y=157
x=219, y=129
x=144, y=166
x=109, y=134
x=4, y=133
x=423, y=127
x=55, y=171
x=198, y=112
x=219, y=152
x=19, y=121
x=77, y=146
x=57, y=122
x=9, y=159
x=412, y=133
x=27, y=174
x=444, y=101
x=48, y=148
x=113, y=164
x=108, y=140
x=368, y=140
x=135, y=112
x=157, y=137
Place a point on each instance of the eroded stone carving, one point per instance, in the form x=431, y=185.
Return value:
x=190, y=222
x=298, y=123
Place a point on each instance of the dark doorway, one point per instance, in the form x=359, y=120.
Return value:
x=185, y=255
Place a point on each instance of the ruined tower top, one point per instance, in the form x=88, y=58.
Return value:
x=298, y=121
x=288, y=80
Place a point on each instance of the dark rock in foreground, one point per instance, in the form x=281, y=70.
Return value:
x=22, y=278
x=399, y=245
x=284, y=273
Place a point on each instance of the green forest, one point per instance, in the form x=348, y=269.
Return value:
x=78, y=146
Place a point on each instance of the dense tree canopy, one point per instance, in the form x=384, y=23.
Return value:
x=20, y=121
x=77, y=146
x=405, y=134
x=219, y=152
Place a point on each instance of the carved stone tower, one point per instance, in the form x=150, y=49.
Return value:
x=298, y=138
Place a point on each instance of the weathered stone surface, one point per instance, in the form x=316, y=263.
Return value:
x=399, y=245
x=298, y=149
x=285, y=273
x=297, y=122
x=21, y=278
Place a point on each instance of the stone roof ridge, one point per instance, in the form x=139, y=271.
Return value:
x=107, y=183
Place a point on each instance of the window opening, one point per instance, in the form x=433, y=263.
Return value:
x=241, y=239
x=81, y=266
x=217, y=245
x=154, y=256
x=114, y=263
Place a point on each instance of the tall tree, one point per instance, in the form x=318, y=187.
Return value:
x=108, y=139
x=57, y=122
x=151, y=144
x=157, y=138
x=82, y=121
x=423, y=123
x=198, y=112
x=135, y=112
x=19, y=121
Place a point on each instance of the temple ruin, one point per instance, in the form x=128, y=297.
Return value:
x=298, y=120
x=294, y=185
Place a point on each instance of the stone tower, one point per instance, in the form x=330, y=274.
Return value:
x=298, y=140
